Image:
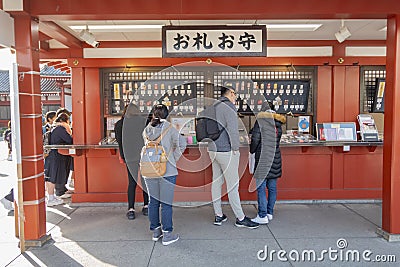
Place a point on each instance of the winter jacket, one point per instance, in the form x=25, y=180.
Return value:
x=128, y=133
x=174, y=144
x=227, y=119
x=265, y=138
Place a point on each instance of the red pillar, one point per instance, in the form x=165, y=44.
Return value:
x=79, y=129
x=31, y=168
x=391, y=148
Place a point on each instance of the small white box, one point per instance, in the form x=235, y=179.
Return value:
x=346, y=148
x=72, y=151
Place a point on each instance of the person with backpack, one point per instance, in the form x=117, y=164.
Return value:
x=224, y=155
x=265, y=140
x=128, y=133
x=161, y=188
x=8, y=139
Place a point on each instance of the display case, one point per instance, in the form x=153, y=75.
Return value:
x=368, y=130
x=176, y=94
x=181, y=92
x=286, y=95
x=185, y=93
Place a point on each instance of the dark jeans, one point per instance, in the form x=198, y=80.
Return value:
x=134, y=167
x=161, y=192
x=266, y=206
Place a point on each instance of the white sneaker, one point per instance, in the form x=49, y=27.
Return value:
x=270, y=216
x=54, y=202
x=260, y=220
x=9, y=158
x=66, y=195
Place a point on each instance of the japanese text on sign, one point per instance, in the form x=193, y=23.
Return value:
x=226, y=41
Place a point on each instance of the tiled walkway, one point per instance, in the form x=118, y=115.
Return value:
x=102, y=236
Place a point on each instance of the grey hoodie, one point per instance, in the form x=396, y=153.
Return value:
x=227, y=119
x=173, y=143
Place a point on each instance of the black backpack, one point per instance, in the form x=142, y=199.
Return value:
x=207, y=125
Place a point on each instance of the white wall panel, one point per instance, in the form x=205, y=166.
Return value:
x=156, y=52
x=353, y=51
x=315, y=51
x=7, y=37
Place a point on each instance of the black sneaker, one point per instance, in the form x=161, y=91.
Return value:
x=220, y=219
x=130, y=215
x=145, y=211
x=246, y=222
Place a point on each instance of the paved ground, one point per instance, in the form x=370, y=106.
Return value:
x=102, y=236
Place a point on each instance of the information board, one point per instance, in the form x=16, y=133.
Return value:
x=336, y=131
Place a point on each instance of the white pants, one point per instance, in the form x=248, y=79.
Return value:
x=225, y=165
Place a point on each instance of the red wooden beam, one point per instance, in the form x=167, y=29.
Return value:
x=211, y=9
x=62, y=53
x=242, y=61
x=129, y=44
x=55, y=54
x=44, y=37
x=56, y=32
x=44, y=45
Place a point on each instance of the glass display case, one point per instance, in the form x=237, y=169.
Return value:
x=286, y=95
x=185, y=94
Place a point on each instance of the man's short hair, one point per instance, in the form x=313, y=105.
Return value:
x=225, y=89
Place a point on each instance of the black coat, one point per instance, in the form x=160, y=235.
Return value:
x=128, y=133
x=59, y=165
x=265, y=139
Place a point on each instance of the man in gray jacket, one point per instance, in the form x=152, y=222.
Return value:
x=224, y=154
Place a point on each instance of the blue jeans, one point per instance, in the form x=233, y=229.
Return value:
x=161, y=192
x=266, y=206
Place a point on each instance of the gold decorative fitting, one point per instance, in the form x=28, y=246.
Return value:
x=340, y=60
x=75, y=62
x=209, y=61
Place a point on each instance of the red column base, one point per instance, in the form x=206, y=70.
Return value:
x=388, y=236
x=38, y=242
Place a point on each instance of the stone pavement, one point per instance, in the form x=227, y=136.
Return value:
x=101, y=235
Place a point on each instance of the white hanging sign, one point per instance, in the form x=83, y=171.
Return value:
x=220, y=41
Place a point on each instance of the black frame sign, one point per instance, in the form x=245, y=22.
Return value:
x=214, y=41
x=379, y=99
